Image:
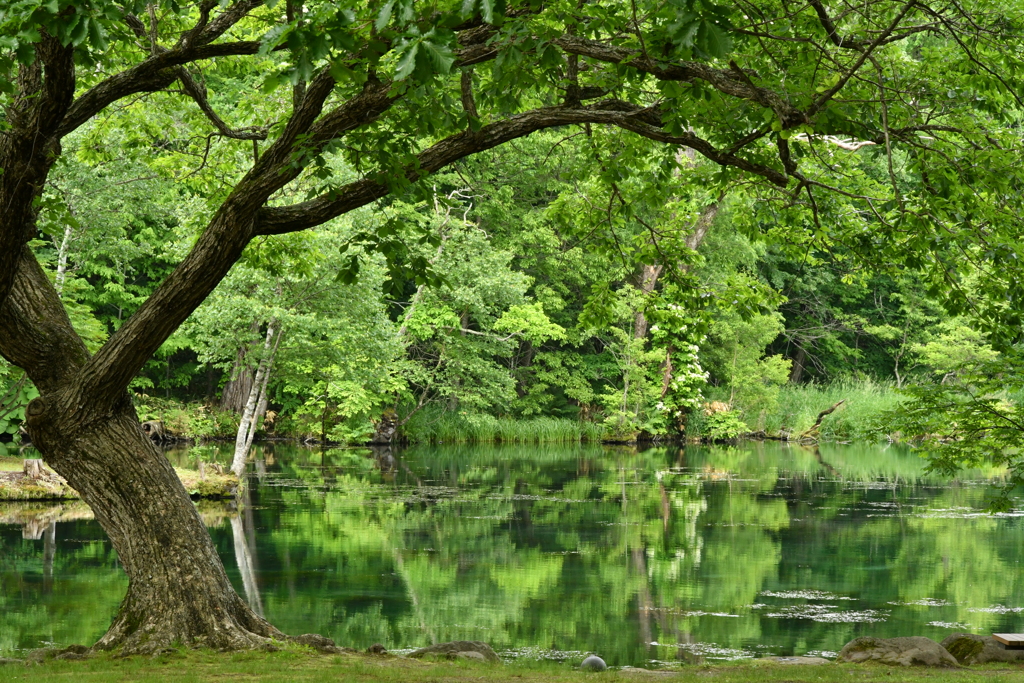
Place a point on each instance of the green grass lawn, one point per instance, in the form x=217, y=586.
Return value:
x=292, y=665
x=8, y=464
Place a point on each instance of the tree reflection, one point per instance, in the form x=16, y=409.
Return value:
x=636, y=554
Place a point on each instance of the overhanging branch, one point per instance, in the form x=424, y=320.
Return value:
x=285, y=219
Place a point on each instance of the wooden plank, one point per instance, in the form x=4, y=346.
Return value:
x=1011, y=641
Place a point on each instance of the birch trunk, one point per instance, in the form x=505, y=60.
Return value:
x=62, y=261
x=257, y=403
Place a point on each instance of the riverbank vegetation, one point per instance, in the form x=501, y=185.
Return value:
x=303, y=666
x=504, y=310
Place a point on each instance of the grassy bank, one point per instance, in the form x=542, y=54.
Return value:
x=797, y=407
x=482, y=428
x=14, y=485
x=302, y=666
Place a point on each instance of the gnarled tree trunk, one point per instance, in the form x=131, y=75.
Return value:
x=158, y=535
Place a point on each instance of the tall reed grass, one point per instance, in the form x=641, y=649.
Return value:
x=799, y=405
x=461, y=427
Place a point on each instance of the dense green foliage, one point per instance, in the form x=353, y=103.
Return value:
x=583, y=282
x=535, y=312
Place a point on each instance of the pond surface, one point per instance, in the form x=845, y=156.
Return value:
x=657, y=555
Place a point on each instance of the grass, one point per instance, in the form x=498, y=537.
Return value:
x=798, y=407
x=300, y=665
x=482, y=428
x=11, y=464
x=13, y=486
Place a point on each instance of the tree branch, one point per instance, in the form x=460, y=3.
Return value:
x=280, y=220
x=725, y=81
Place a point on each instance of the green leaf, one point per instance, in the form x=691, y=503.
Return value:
x=407, y=63
x=384, y=17
x=80, y=32
x=713, y=40
x=439, y=57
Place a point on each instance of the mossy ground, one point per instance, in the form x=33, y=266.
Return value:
x=301, y=665
x=13, y=486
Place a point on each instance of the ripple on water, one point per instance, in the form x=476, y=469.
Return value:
x=997, y=609
x=709, y=650
x=540, y=653
x=965, y=513
x=824, y=614
x=923, y=602
x=804, y=595
x=951, y=625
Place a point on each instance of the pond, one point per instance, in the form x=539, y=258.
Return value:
x=644, y=556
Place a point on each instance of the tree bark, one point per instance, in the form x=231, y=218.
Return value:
x=236, y=391
x=256, y=404
x=799, y=361
x=177, y=591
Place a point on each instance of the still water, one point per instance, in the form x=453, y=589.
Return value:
x=642, y=556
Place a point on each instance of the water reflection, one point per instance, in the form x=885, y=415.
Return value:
x=661, y=554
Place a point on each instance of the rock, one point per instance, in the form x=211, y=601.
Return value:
x=457, y=648
x=797, y=660
x=968, y=648
x=911, y=651
x=376, y=649
x=71, y=656
x=471, y=655
x=46, y=653
x=4, y=660
x=593, y=663
x=317, y=642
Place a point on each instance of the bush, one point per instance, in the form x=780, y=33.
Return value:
x=723, y=425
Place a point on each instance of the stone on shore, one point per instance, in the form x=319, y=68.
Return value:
x=909, y=651
x=472, y=650
x=322, y=644
x=593, y=663
x=968, y=648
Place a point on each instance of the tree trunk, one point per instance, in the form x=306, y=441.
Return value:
x=178, y=591
x=62, y=261
x=236, y=390
x=648, y=279
x=799, y=361
x=256, y=404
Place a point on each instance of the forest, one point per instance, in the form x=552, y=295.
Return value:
x=447, y=221
x=537, y=292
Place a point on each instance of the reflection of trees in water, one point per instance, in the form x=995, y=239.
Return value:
x=574, y=548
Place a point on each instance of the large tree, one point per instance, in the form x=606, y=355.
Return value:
x=776, y=93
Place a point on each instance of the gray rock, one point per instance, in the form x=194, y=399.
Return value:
x=71, y=656
x=317, y=642
x=471, y=655
x=5, y=660
x=457, y=648
x=798, y=660
x=911, y=651
x=968, y=648
x=593, y=663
